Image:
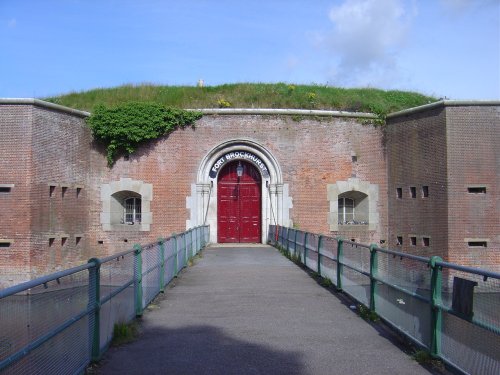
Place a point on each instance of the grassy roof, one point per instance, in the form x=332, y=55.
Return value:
x=249, y=95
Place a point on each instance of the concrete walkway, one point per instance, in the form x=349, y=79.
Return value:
x=249, y=310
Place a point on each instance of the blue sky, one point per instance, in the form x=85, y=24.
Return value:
x=445, y=48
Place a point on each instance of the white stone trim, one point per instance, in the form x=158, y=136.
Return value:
x=44, y=104
x=444, y=103
x=283, y=112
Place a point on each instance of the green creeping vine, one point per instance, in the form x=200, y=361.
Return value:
x=122, y=128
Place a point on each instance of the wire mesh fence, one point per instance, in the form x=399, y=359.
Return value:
x=447, y=309
x=59, y=323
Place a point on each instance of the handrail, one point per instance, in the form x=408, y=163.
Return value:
x=404, y=255
x=101, y=286
x=42, y=280
x=477, y=271
x=389, y=298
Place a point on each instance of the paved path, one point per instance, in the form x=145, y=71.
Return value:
x=249, y=310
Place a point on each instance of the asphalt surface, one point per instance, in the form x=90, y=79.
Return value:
x=249, y=310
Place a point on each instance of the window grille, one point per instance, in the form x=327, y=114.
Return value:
x=132, y=210
x=346, y=210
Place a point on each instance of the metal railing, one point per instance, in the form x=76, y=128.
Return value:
x=59, y=323
x=449, y=310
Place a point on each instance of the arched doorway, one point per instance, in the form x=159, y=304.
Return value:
x=239, y=203
x=203, y=201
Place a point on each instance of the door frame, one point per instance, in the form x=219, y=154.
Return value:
x=275, y=201
x=239, y=185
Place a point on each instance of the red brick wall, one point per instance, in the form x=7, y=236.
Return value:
x=60, y=156
x=416, y=155
x=432, y=148
x=473, y=159
x=312, y=154
x=15, y=219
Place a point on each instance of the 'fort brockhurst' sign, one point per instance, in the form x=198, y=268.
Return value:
x=239, y=155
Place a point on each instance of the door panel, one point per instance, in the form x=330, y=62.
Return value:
x=239, y=204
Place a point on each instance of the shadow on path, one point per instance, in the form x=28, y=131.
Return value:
x=198, y=349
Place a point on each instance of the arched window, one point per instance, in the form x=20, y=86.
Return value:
x=126, y=205
x=353, y=208
x=132, y=210
x=126, y=208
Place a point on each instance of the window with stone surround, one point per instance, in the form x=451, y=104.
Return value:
x=353, y=205
x=126, y=205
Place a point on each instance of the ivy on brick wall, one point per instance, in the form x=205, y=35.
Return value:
x=123, y=127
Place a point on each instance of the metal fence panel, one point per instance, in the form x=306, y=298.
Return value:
x=471, y=348
x=272, y=235
x=53, y=311
x=356, y=256
x=328, y=265
x=471, y=341
x=449, y=309
x=412, y=275
x=61, y=321
x=284, y=238
x=312, y=251
x=291, y=241
x=407, y=313
x=357, y=285
x=150, y=272
x=66, y=353
x=170, y=260
x=116, y=295
x=181, y=251
x=299, y=244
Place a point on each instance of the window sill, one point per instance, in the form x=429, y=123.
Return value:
x=126, y=227
x=353, y=227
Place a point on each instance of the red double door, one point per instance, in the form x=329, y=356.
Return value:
x=239, y=204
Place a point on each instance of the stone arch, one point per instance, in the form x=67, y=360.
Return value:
x=276, y=202
x=275, y=175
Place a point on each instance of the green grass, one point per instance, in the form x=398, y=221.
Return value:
x=367, y=314
x=247, y=95
x=425, y=358
x=124, y=333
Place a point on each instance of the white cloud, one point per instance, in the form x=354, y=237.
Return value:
x=366, y=38
x=12, y=23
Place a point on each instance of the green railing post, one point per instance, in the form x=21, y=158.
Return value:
x=373, y=274
x=161, y=243
x=95, y=303
x=436, y=301
x=340, y=267
x=138, y=279
x=320, y=242
x=305, y=248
